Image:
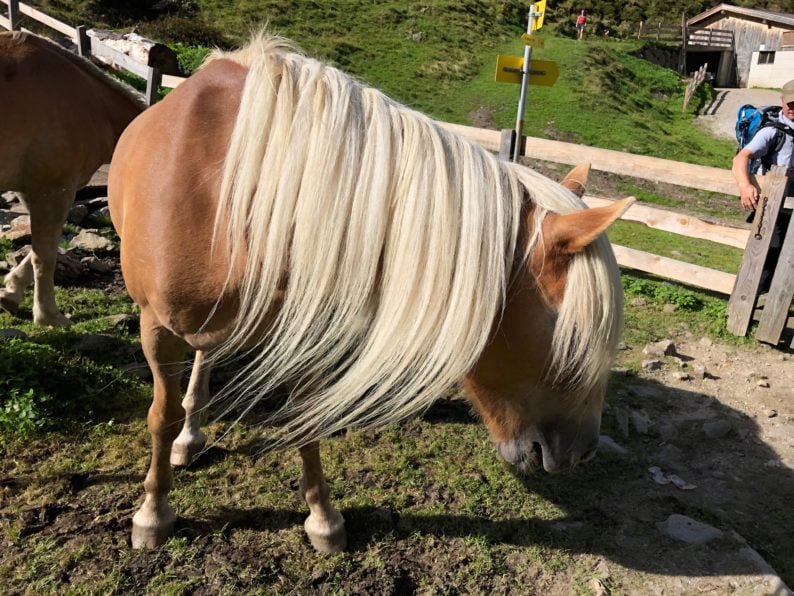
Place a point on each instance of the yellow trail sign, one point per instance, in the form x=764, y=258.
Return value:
x=509, y=69
x=538, y=11
x=531, y=40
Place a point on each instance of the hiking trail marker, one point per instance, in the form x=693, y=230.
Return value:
x=512, y=69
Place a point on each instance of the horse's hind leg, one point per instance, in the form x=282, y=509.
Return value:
x=325, y=525
x=153, y=523
x=191, y=440
x=48, y=212
x=16, y=282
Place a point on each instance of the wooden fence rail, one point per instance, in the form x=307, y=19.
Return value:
x=713, y=38
x=86, y=44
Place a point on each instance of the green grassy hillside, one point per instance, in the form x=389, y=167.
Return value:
x=439, y=57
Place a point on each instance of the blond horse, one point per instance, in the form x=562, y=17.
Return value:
x=61, y=119
x=367, y=258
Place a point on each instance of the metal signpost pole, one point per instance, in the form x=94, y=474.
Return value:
x=522, y=99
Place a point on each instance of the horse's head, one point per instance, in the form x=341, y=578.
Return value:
x=540, y=383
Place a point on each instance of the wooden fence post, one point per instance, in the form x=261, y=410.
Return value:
x=745, y=290
x=507, y=144
x=781, y=292
x=83, y=42
x=13, y=15
x=153, y=80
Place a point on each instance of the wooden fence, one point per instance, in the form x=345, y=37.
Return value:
x=659, y=31
x=693, y=83
x=741, y=288
x=88, y=45
x=644, y=167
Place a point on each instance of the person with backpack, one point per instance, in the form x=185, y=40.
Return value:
x=766, y=138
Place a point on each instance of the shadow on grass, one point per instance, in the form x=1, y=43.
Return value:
x=612, y=506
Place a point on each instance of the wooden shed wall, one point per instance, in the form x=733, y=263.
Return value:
x=748, y=36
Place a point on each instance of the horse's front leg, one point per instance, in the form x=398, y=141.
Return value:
x=191, y=440
x=154, y=521
x=325, y=525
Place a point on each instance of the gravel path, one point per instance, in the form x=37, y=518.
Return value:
x=720, y=115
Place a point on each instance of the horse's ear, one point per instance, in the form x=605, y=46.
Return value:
x=570, y=233
x=576, y=179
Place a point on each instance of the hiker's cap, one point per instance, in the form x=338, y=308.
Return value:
x=788, y=92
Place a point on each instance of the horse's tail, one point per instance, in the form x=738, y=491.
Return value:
x=391, y=238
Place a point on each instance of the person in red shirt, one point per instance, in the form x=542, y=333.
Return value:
x=581, y=21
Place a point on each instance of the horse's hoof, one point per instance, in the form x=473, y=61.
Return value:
x=328, y=536
x=151, y=529
x=183, y=454
x=51, y=320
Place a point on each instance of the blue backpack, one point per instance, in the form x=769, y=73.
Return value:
x=749, y=120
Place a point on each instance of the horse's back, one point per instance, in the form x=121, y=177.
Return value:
x=57, y=127
x=163, y=186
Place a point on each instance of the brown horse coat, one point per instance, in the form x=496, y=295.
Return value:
x=61, y=119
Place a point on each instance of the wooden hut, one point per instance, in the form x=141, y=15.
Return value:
x=726, y=37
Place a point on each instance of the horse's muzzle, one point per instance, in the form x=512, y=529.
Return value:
x=532, y=450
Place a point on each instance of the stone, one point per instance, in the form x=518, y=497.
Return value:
x=90, y=241
x=608, y=444
x=96, y=264
x=100, y=216
x=16, y=257
x=669, y=308
x=622, y=347
x=19, y=231
x=771, y=413
x=640, y=421
x=668, y=432
x=682, y=376
x=639, y=302
x=671, y=456
x=700, y=371
x=95, y=203
x=7, y=216
x=716, y=429
x=661, y=348
x=95, y=342
x=597, y=588
x=124, y=321
x=68, y=267
x=649, y=365
x=764, y=384
x=77, y=214
x=685, y=529
x=6, y=334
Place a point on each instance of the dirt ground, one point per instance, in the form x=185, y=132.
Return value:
x=720, y=116
x=719, y=422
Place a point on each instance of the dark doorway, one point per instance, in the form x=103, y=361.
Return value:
x=695, y=60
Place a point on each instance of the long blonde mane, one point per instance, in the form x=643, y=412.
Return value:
x=393, y=241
